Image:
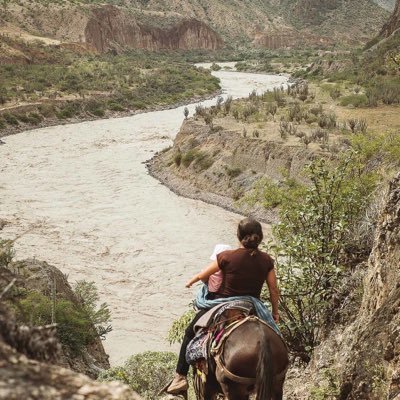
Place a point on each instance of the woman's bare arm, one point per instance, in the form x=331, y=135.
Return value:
x=205, y=274
x=274, y=293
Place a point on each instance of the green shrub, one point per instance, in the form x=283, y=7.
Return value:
x=23, y=118
x=215, y=67
x=146, y=373
x=69, y=110
x=99, y=315
x=177, y=330
x=35, y=118
x=98, y=112
x=203, y=161
x=11, y=119
x=356, y=100
x=327, y=121
x=74, y=327
x=113, y=106
x=312, y=238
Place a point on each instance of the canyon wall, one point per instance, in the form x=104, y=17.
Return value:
x=360, y=359
x=111, y=28
x=394, y=22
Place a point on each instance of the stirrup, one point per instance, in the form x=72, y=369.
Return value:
x=184, y=393
x=164, y=388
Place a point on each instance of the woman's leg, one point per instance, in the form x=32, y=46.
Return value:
x=179, y=384
x=183, y=367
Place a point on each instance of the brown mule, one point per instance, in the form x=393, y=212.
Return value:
x=253, y=359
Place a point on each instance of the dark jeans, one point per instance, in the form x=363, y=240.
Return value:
x=183, y=367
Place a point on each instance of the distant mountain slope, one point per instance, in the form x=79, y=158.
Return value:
x=331, y=20
x=147, y=23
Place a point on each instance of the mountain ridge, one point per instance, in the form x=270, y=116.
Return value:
x=146, y=24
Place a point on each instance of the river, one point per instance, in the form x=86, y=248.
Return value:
x=80, y=197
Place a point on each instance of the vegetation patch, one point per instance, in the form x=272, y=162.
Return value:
x=146, y=373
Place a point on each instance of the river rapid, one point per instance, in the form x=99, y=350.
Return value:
x=80, y=198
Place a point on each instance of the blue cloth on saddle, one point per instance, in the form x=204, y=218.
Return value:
x=202, y=303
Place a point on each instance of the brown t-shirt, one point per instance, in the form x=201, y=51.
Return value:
x=243, y=273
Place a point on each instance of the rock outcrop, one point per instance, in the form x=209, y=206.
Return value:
x=361, y=360
x=393, y=24
x=110, y=27
x=34, y=275
x=23, y=378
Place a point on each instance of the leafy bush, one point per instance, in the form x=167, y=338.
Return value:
x=74, y=327
x=100, y=316
x=311, y=244
x=356, y=100
x=146, y=373
x=177, y=330
x=271, y=195
x=10, y=119
x=327, y=121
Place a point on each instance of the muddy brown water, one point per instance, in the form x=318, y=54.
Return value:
x=80, y=197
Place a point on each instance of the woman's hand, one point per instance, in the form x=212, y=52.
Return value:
x=189, y=284
x=204, y=275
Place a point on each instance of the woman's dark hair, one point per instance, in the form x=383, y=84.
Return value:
x=250, y=233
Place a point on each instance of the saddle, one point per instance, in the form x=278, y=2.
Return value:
x=211, y=328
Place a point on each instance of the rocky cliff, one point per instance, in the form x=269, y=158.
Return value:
x=24, y=378
x=110, y=27
x=394, y=22
x=34, y=275
x=361, y=359
x=106, y=27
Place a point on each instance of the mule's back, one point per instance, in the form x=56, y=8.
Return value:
x=242, y=349
x=254, y=350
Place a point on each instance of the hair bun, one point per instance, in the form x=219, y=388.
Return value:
x=251, y=241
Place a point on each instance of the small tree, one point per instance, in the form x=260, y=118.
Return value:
x=312, y=237
x=186, y=112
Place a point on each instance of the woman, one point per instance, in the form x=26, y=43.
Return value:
x=244, y=272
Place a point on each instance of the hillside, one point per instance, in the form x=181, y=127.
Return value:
x=191, y=24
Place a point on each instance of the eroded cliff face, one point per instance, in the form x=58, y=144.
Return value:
x=360, y=360
x=220, y=167
x=394, y=22
x=111, y=28
x=106, y=27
